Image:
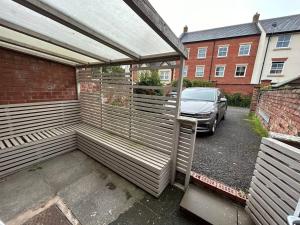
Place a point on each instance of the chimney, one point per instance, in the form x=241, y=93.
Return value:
x=255, y=18
x=185, y=29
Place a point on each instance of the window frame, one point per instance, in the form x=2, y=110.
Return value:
x=216, y=66
x=197, y=66
x=239, y=65
x=282, y=35
x=243, y=44
x=185, y=71
x=277, y=74
x=198, y=53
x=163, y=71
x=222, y=46
x=188, y=52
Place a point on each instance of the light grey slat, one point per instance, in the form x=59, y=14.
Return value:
x=151, y=106
x=128, y=177
x=36, y=109
x=111, y=155
x=151, y=115
x=143, y=96
x=154, y=101
x=125, y=154
x=38, y=159
x=14, y=142
x=121, y=166
x=56, y=131
x=7, y=143
x=267, y=207
x=183, y=152
x=151, y=110
x=42, y=135
x=37, y=136
x=268, y=200
x=46, y=133
x=288, y=189
x=276, y=198
x=117, y=120
x=257, y=214
x=184, y=145
x=262, y=211
x=252, y=216
x=128, y=153
x=155, y=133
x=2, y=146
x=115, y=129
x=32, y=137
x=294, y=184
x=140, y=149
x=21, y=158
x=19, y=139
x=19, y=105
x=22, y=148
x=293, y=163
x=286, y=198
x=282, y=147
x=167, y=128
x=185, y=137
x=27, y=139
x=134, y=148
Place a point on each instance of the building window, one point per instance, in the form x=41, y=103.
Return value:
x=220, y=70
x=165, y=75
x=276, y=68
x=188, y=53
x=185, y=71
x=199, y=71
x=201, y=53
x=283, y=41
x=240, y=70
x=244, y=49
x=222, y=51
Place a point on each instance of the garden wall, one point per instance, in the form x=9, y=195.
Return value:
x=25, y=78
x=279, y=110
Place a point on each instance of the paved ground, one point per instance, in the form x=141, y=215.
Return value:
x=230, y=154
x=91, y=192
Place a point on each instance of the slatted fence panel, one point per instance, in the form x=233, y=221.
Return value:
x=275, y=186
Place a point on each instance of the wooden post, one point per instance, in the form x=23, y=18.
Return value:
x=177, y=124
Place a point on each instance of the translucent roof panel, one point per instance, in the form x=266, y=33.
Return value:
x=17, y=38
x=36, y=53
x=19, y=15
x=124, y=25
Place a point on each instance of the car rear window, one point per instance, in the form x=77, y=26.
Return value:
x=199, y=94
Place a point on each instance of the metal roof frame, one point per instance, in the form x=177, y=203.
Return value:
x=141, y=8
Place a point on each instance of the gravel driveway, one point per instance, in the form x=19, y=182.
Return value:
x=230, y=154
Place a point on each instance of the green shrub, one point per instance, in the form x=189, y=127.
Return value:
x=237, y=99
x=202, y=83
x=186, y=83
x=149, y=79
x=257, y=125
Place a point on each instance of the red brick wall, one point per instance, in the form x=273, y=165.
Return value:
x=233, y=84
x=25, y=78
x=283, y=108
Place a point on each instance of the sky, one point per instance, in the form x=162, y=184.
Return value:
x=206, y=14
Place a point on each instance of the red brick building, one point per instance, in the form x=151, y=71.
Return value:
x=223, y=55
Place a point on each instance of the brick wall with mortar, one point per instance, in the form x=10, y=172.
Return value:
x=229, y=83
x=283, y=109
x=25, y=78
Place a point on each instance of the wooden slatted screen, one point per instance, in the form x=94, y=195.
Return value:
x=275, y=186
x=110, y=101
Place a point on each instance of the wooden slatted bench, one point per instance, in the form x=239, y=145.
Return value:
x=32, y=132
x=146, y=167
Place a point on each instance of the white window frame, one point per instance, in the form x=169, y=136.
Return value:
x=277, y=74
x=243, y=44
x=223, y=46
x=204, y=55
x=237, y=65
x=216, y=70
x=188, y=53
x=185, y=72
x=163, y=71
x=198, y=66
x=278, y=40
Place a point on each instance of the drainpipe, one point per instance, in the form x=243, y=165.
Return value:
x=211, y=61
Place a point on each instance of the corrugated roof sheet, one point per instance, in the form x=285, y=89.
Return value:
x=221, y=32
x=284, y=24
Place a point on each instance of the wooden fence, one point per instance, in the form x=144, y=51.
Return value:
x=275, y=186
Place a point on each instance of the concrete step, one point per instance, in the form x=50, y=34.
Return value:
x=213, y=208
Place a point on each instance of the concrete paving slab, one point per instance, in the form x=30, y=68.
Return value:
x=212, y=207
